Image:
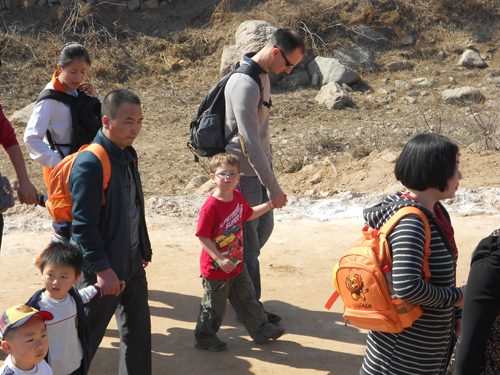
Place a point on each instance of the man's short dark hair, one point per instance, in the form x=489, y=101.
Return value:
x=287, y=40
x=427, y=161
x=115, y=98
x=62, y=254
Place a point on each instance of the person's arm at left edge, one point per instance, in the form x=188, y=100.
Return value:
x=26, y=191
x=86, y=188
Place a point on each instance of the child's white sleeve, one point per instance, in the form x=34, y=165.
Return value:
x=89, y=293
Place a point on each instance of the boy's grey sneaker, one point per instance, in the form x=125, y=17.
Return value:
x=218, y=347
x=277, y=333
x=272, y=318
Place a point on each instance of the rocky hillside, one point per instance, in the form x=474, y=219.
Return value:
x=376, y=73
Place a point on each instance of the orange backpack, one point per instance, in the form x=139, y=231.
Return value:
x=360, y=280
x=60, y=203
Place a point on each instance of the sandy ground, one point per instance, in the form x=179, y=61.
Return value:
x=297, y=280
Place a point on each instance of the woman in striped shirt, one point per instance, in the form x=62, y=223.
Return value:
x=428, y=168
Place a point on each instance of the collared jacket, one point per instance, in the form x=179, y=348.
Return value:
x=83, y=327
x=102, y=231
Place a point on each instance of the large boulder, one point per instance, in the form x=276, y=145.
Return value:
x=20, y=118
x=462, y=94
x=333, y=96
x=367, y=35
x=332, y=70
x=230, y=55
x=133, y=5
x=250, y=36
x=197, y=182
x=294, y=80
x=253, y=35
x=471, y=59
x=354, y=55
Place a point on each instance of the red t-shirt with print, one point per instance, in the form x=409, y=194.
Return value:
x=222, y=223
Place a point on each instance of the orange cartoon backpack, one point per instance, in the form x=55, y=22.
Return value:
x=60, y=203
x=363, y=279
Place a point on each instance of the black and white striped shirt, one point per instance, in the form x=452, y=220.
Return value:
x=424, y=347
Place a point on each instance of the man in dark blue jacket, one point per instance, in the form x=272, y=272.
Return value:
x=113, y=236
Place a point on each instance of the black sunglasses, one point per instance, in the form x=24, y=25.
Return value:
x=287, y=63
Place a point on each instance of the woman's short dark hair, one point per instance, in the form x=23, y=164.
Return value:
x=427, y=161
x=70, y=52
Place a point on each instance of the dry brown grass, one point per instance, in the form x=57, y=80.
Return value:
x=121, y=54
x=172, y=71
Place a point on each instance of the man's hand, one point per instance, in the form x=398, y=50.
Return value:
x=122, y=286
x=109, y=283
x=27, y=193
x=144, y=263
x=279, y=201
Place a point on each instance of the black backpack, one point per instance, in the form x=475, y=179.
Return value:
x=206, y=132
x=85, y=117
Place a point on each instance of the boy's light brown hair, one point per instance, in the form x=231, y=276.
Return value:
x=224, y=158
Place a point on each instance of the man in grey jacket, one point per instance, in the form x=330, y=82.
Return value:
x=247, y=108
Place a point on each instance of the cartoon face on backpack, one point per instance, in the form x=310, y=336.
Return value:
x=355, y=285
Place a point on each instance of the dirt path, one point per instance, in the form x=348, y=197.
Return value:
x=297, y=279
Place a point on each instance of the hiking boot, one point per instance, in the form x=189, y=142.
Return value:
x=272, y=318
x=215, y=347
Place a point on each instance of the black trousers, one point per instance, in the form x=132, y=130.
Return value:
x=131, y=310
x=481, y=306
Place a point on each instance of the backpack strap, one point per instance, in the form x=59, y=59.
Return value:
x=102, y=155
x=410, y=210
x=60, y=97
x=56, y=95
x=332, y=299
x=248, y=70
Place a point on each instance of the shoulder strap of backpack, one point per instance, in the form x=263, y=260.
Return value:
x=102, y=155
x=55, y=146
x=248, y=70
x=60, y=97
x=56, y=95
x=410, y=210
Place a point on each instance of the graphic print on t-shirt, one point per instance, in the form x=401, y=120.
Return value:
x=230, y=245
x=229, y=239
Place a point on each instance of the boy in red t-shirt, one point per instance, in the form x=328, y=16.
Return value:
x=225, y=276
